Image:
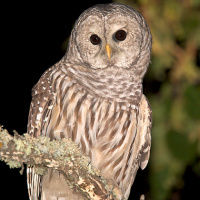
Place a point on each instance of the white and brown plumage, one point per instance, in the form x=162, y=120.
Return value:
x=94, y=96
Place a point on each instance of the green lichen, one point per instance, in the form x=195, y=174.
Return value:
x=19, y=145
x=14, y=164
x=28, y=150
x=41, y=170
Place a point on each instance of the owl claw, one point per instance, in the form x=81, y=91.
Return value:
x=113, y=191
x=89, y=163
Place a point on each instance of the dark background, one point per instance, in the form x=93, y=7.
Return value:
x=34, y=38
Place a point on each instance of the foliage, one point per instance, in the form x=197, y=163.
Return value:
x=173, y=88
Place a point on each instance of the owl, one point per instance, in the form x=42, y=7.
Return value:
x=94, y=96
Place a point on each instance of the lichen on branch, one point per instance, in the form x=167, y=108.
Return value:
x=62, y=155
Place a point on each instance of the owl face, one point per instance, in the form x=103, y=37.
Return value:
x=111, y=35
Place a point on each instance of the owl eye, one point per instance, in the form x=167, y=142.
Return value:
x=120, y=35
x=95, y=39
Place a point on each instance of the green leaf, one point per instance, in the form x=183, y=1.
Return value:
x=158, y=184
x=180, y=146
x=192, y=102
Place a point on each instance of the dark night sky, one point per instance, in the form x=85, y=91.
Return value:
x=31, y=43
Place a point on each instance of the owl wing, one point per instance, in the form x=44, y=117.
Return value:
x=144, y=130
x=43, y=100
x=140, y=150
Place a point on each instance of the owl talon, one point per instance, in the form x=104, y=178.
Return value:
x=89, y=163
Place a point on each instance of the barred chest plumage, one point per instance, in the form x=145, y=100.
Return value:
x=100, y=115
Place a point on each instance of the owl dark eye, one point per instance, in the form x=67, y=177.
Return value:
x=120, y=35
x=95, y=39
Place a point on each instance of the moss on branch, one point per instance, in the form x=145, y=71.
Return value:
x=63, y=155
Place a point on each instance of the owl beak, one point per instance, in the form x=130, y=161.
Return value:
x=108, y=50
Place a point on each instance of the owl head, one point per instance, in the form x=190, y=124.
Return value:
x=111, y=35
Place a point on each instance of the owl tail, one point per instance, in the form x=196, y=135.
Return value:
x=34, y=184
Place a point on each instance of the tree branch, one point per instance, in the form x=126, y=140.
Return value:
x=62, y=155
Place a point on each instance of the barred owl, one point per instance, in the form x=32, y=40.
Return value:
x=94, y=96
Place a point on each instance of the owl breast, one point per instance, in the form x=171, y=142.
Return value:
x=103, y=128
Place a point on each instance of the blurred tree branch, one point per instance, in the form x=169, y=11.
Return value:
x=62, y=155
